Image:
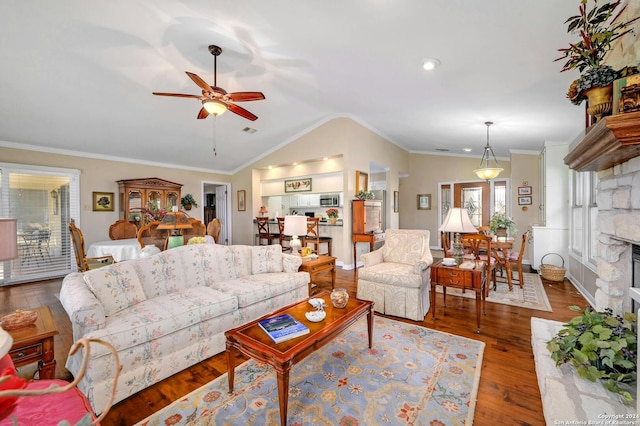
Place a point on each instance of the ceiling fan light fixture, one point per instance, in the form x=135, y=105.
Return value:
x=484, y=171
x=214, y=106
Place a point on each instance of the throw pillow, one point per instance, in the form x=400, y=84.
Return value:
x=266, y=259
x=116, y=286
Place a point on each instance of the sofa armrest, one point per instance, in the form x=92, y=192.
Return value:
x=83, y=308
x=372, y=258
x=291, y=263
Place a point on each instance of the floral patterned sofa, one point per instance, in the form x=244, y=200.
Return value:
x=169, y=311
x=396, y=276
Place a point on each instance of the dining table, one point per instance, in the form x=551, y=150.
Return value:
x=120, y=250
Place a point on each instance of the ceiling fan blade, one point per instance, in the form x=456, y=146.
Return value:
x=177, y=95
x=246, y=96
x=200, y=82
x=242, y=112
x=203, y=113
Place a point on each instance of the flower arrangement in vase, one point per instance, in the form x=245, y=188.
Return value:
x=500, y=221
x=599, y=345
x=598, y=28
x=333, y=215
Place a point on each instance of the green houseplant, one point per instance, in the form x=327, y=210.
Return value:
x=188, y=201
x=598, y=27
x=499, y=221
x=601, y=346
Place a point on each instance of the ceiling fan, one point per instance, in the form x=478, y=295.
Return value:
x=215, y=100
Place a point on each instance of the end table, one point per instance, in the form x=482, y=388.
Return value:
x=34, y=343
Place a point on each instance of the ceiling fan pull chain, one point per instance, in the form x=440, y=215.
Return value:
x=215, y=139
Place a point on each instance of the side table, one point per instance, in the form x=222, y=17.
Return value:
x=466, y=279
x=318, y=266
x=34, y=343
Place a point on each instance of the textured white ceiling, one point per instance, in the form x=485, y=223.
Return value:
x=78, y=75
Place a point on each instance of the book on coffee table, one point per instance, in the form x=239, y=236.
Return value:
x=283, y=327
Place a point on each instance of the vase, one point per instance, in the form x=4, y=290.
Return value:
x=187, y=206
x=501, y=232
x=599, y=100
x=333, y=220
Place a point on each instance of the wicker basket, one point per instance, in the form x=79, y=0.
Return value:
x=552, y=272
x=18, y=319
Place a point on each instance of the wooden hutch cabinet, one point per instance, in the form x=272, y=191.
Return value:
x=148, y=193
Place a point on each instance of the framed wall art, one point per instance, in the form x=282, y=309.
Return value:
x=297, y=185
x=396, y=201
x=524, y=201
x=103, y=201
x=242, y=200
x=424, y=201
x=524, y=190
x=362, y=181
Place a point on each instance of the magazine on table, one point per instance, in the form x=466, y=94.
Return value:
x=283, y=327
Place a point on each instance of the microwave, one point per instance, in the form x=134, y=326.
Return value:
x=329, y=200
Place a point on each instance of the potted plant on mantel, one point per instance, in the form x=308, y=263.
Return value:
x=601, y=346
x=188, y=201
x=598, y=29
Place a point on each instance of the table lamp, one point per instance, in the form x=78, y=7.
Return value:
x=9, y=240
x=295, y=226
x=263, y=210
x=457, y=221
x=175, y=221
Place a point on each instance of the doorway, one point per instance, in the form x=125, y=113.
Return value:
x=217, y=204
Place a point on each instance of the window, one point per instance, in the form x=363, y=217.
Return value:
x=43, y=200
x=584, y=214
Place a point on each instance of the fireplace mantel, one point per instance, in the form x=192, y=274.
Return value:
x=611, y=141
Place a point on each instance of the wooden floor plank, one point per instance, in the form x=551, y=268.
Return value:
x=508, y=391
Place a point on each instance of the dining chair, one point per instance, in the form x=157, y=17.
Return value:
x=479, y=248
x=122, y=229
x=198, y=229
x=281, y=237
x=149, y=234
x=313, y=238
x=516, y=257
x=263, y=231
x=445, y=238
x=213, y=229
x=85, y=263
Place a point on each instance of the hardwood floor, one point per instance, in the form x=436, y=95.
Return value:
x=508, y=392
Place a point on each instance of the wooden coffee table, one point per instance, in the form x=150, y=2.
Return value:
x=252, y=341
x=34, y=343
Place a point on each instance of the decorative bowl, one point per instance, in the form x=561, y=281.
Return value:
x=315, y=316
x=18, y=319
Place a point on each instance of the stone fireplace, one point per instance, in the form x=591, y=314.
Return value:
x=612, y=148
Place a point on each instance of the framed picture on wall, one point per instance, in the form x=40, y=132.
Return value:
x=103, y=201
x=297, y=185
x=242, y=200
x=424, y=201
x=396, y=201
x=524, y=201
x=524, y=190
x=362, y=181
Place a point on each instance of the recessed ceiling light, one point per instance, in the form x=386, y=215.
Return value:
x=270, y=167
x=430, y=63
x=466, y=149
x=295, y=163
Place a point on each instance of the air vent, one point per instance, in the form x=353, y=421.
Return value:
x=442, y=149
x=249, y=130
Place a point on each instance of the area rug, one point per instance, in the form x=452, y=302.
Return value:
x=531, y=296
x=411, y=376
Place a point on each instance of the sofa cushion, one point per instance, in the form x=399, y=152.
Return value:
x=160, y=274
x=242, y=260
x=404, y=246
x=161, y=316
x=116, y=286
x=266, y=259
x=397, y=274
x=256, y=288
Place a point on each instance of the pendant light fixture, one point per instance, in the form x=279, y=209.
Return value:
x=484, y=171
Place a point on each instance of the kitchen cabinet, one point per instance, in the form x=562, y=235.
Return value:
x=304, y=200
x=146, y=193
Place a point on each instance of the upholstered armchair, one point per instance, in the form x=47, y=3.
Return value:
x=396, y=276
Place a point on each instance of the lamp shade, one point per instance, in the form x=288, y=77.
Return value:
x=488, y=173
x=457, y=220
x=9, y=240
x=6, y=341
x=263, y=209
x=175, y=220
x=295, y=225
